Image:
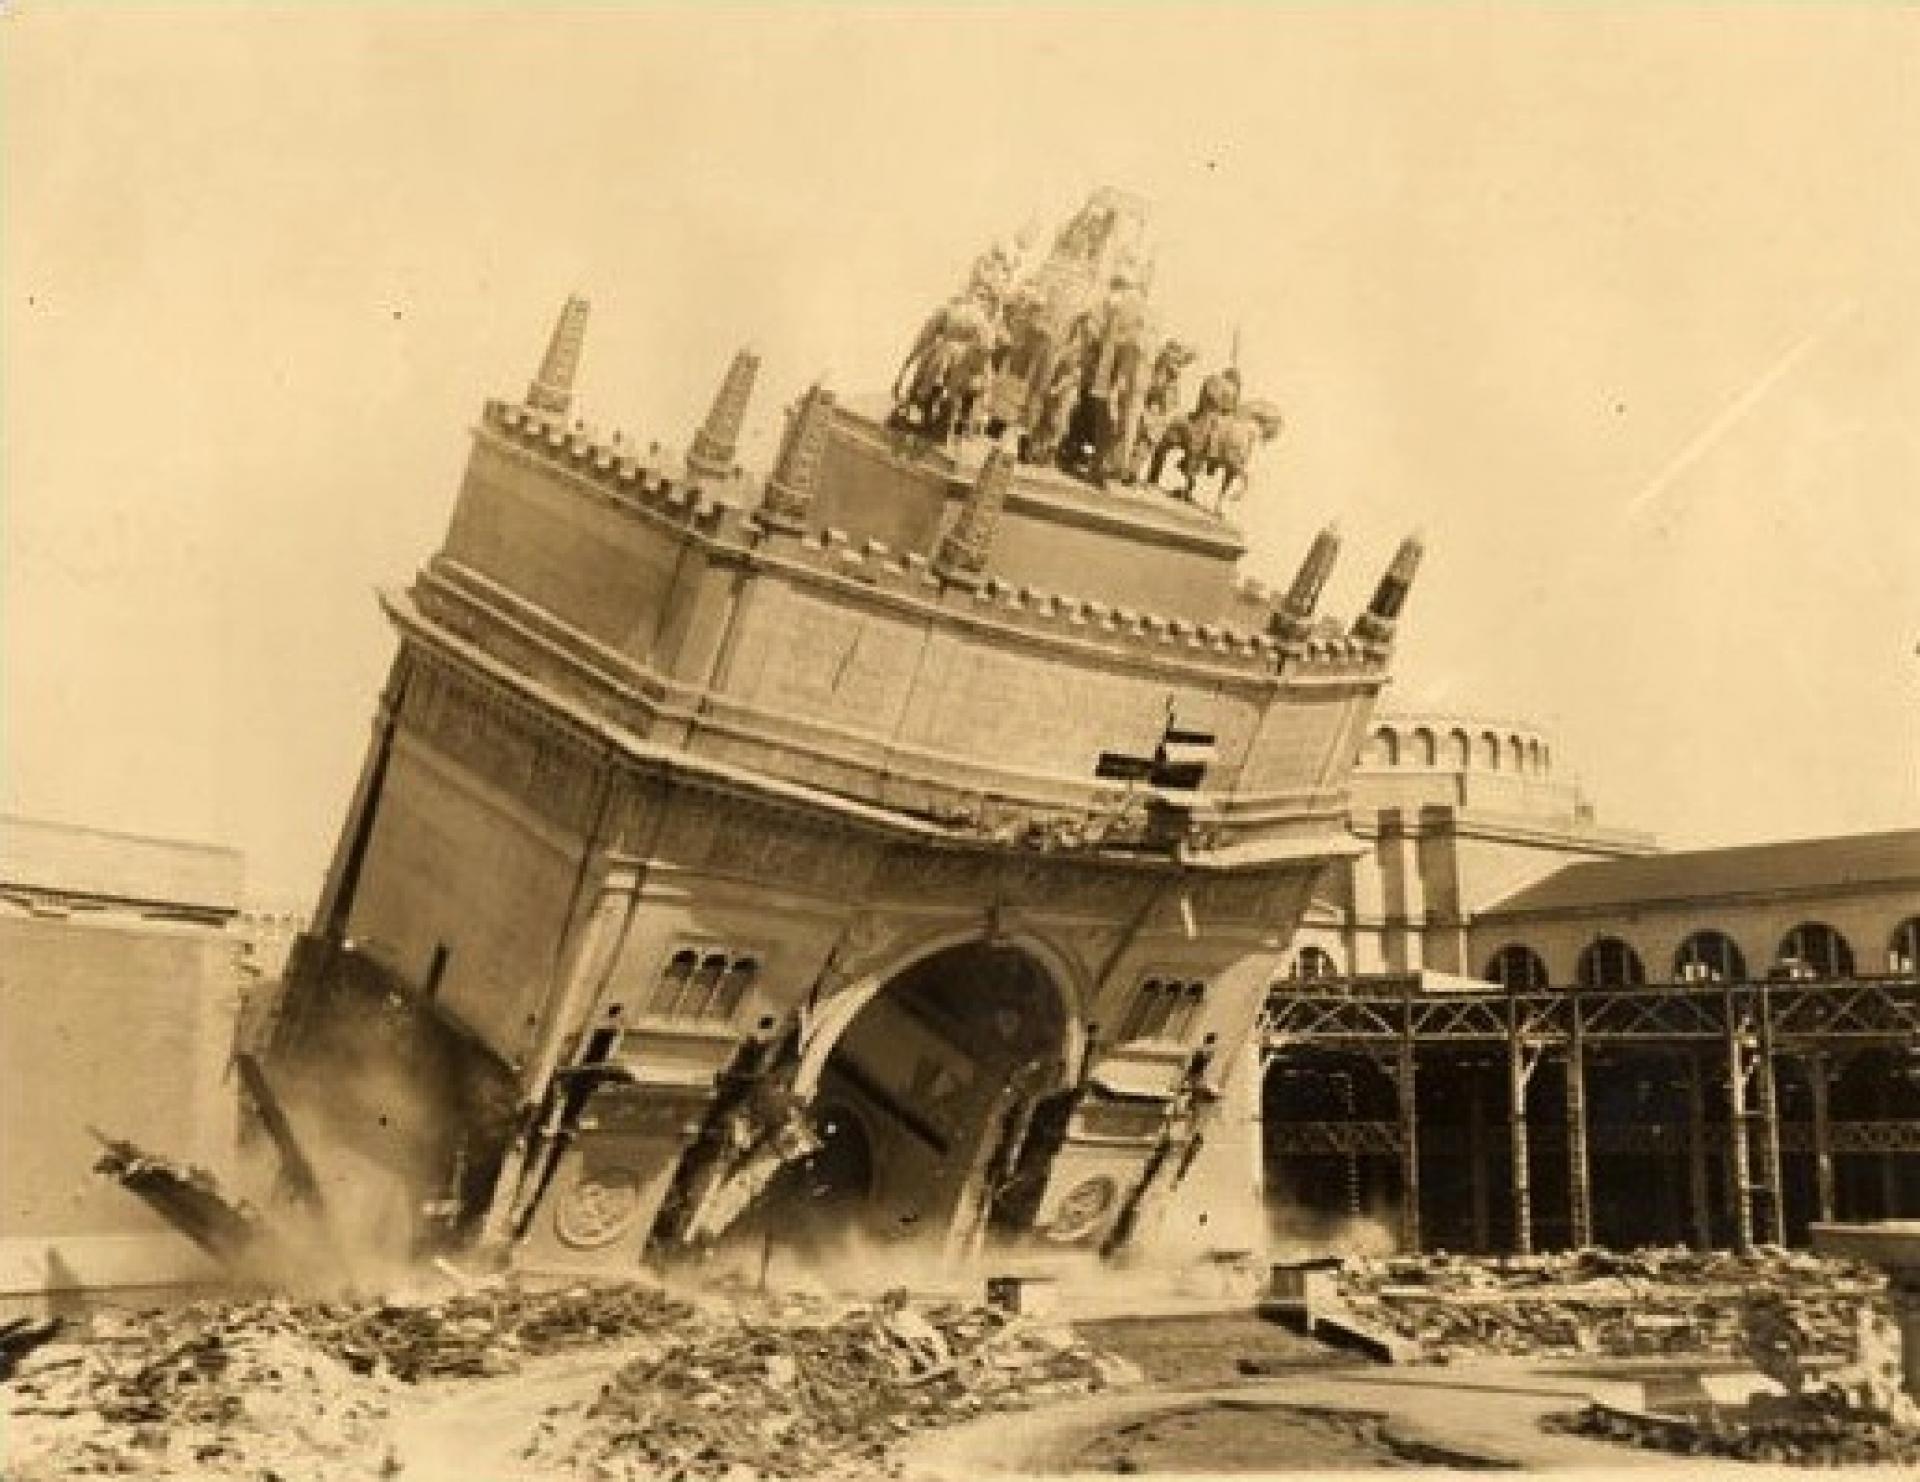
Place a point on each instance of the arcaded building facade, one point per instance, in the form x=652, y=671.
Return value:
x=1505, y=1025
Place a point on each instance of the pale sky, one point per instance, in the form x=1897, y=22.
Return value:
x=1621, y=306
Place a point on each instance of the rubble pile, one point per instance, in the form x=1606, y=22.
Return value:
x=794, y=1391
x=1607, y=1303
x=1810, y=1437
x=203, y=1391
x=777, y=1386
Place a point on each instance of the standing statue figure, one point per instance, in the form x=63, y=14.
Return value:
x=993, y=273
x=1123, y=333
x=1159, y=406
x=945, y=377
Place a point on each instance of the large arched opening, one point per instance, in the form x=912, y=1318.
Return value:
x=923, y=1102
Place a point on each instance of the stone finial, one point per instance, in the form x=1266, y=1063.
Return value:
x=965, y=548
x=717, y=440
x=1312, y=576
x=1377, y=622
x=552, y=389
x=789, y=493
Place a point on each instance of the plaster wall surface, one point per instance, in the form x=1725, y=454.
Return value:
x=520, y=524
x=124, y=1024
x=455, y=865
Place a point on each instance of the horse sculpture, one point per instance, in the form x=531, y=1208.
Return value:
x=1216, y=442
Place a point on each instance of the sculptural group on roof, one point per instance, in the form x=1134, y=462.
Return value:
x=1066, y=362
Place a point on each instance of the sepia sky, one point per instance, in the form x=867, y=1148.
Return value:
x=1620, y=305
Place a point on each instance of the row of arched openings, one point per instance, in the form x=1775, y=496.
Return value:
x=705, y=986
x=1457, y=749
x=1811, y=950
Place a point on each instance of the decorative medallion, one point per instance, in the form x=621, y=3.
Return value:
x=599, y=1209
x=1082, y=1210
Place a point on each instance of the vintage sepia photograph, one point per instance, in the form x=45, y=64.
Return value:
x=939, y=742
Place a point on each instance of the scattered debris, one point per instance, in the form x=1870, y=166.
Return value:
x=20, y=1337
x=190, y=1200
x=789, y=1390
x=768, y=1386
x=1607, y=1303
x=1805, y=1439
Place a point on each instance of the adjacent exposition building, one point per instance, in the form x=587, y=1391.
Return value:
x=903, y=841
x=1505, y=1025
x=124, y=964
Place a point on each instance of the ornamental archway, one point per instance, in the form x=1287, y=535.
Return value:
x=935, y=1072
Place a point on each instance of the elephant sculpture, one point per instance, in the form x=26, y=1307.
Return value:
x=946, y=374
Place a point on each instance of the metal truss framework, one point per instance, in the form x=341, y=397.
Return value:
x=1750, y=1026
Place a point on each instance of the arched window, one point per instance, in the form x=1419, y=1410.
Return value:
x=1184, y=1010
x=1517, y=966
x=1813, y=950
x=1610, y=963
x=1536, y=757
x=696, y=985
x=1314, y=962
x=1385, y=750
x=1426, y=751
x=675, y=983
x=1459, y=751
x=1903, y=952
x=1516, y=753
x=1709, y=957
x=1163, y=1008
x=1490, y=751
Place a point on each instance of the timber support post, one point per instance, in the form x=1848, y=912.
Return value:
x=1579, y=1173
x=1739, y=1147
x=1477, y=1162
x=1519, y=1072
x=1769, y=1088
x=1699, y=1197
x=1408, y=1078
x=1819, y=1082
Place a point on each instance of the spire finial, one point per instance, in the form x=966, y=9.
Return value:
x=552, y=390
x=1377, y=622
x=965, y=549
x=789, y=494
x=715, y=443
x=1308, y=583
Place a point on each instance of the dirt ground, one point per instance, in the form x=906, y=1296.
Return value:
x=1207, y=1351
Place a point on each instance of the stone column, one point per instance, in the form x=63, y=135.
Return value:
x=552, y=389
x=717, y=441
